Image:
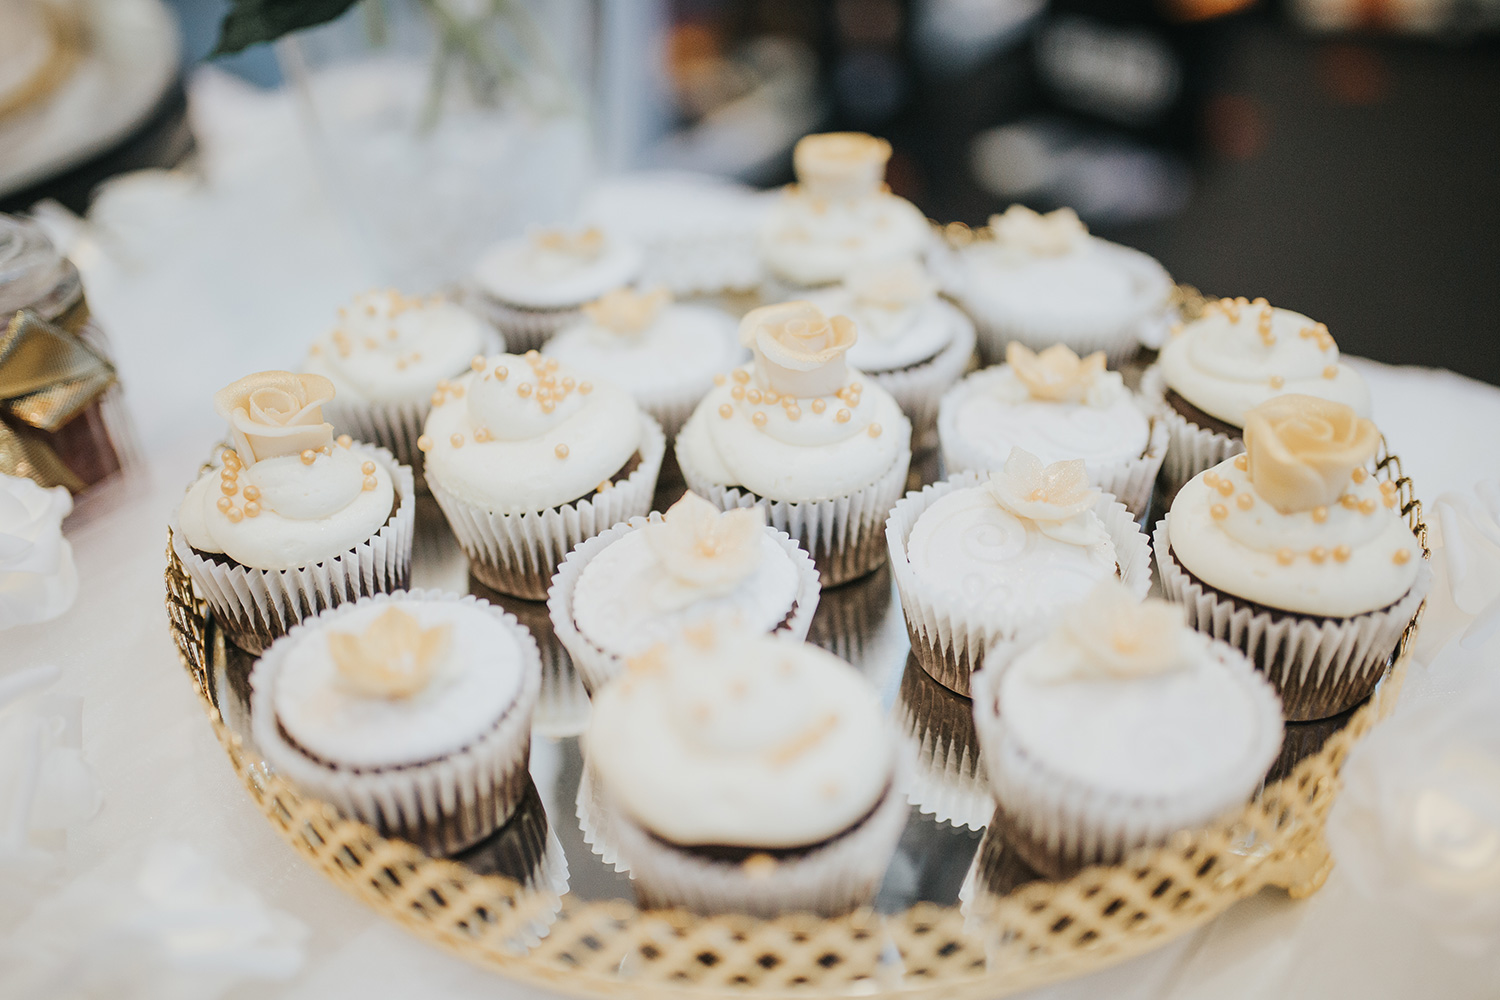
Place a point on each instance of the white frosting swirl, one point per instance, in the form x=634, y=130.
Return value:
x=681, y=347
x=38, y=581
x=1345, y=559
x=901, y=320
x=1240, y=354
x=734, y=738
x=388, y=348
x=525, y=434
x=554, y=269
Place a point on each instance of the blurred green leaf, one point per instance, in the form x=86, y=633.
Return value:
x=250, y=22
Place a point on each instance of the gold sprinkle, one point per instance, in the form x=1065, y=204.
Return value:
x=758, y=419
x=720, y=379
x=1218, y=512
x=1284, y=556
x=457, y=391
x=481, y=434
x=1360, y=474
x=568, y=384
x=478, y=363
x=1317, y=553
x=1401, y=557
x=523, y=390
x=1387, y=487
x=1244, y=501
x=1349, y=500
x=437, y=399
x=1225, y=487
x=424, y=443
x=794, y=412
x=1277, y=381
x=561, y=451
x=1210, y=478
x=1389, y=499
x=726, y=411
x=532, y=355
x=856, y=387
x=1242, y=462
x=252, y=493
x=368, y=468
x=502, y=373
x=232, y=457
x=741, y=376
x=551, y=365
x=252, y=509
x=874, y=430
x=225, y=503
x=444, y=385
x=1341, y=553
x=1331, y=372
x=738, y=392
x=770, y=397
x=843, y=416
x=818, y=406
x=1367, y=506
x=234, y=514
x=752, y=396
x=370, y=483
x=456, y=440
x=584, y=388
x=344, y=441
x=327, y=449
x=308, y=456
x=548, y=406
x=1320, y=514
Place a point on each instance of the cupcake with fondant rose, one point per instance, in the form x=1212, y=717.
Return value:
x=1057, y=406
x=1119, y=728
x=1298, y=555
x=1044, y=280
x=799, y=432
x=736, y=772
x=288, y=520
x=385, y=356
x=642, y=582
x=984, y=561
x=1235, y=356
x=534, y=285
x=528, y=458
x=410, y=712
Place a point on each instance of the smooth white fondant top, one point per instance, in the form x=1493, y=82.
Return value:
x=391, y=349
x=499, y=443
x=1238, y=553
x=810, y=240
x=736, y=738
x=684, y=346
x=475, y=683
x=554, y=270
x=1223, y=365
x=901, y=320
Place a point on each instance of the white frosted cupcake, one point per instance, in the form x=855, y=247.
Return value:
x=737, y=772
x=289, y=521
x=664, y=354
x=1235, y=356
x=1294, y=553
x=386, y=356
x=1056, y=406
x=799, y=432
x=984, y=562
x=838, y=216
x=410, y=712
x=912, y=343
x=1043, y=280
x=533, y=286
x=1118, y=729
x=643, y=582
x=526, y=460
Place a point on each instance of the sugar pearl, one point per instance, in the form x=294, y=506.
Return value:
x=1242, y=462
x=818, y=406
x=424, y=443
x=456, y=440
x=1285, y=556
x=225, y=503
x=308, y=456
x=794, y=413
x=1401, y=557
x=252, y=509
x=1341, y=553
x=1331, y=372
x=843, y=416
x=874, y=430
x=502, y=373
x=1210, y=478
x=720, y=379
x=741, y=376
x=752, y=396
x=1225, y=487
x=252, y=493
x=561, y=451
x=1244, y=501
x=344, y=441
x=1367, y=506
x=523, y=390
x=758, y=419
x=1317, y=553
x=481, y=434
x=1320, y=514
x=437, y=399
x=1277, y=381
x=726, y=411
x=1218, y=512
x=368, y=468
x=229, y=488
x=370, y=483
x=738, y=392
x=234, y=514
x=1360, y=474
x=584, y=388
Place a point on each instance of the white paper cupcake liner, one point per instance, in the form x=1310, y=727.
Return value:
x=596, y=666
x=523, y=329
x=255, y=607
x=947, y=780
x=1131, y=480
x=833, y=879
x=1190, y=449
x=851, y=624
x=1060, y=824
x=1319, y=666
x=517, y=554
x=953, y=639
x=442, y=806
x=918, y=390
x=842, y=534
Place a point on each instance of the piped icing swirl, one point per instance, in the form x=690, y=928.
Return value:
x=838, y=215
x=286, y=495
x=557, y=268
x=1298, y=523
x=728, y=737
x=388, y=348
x=798, y=423
x=895, y=305
x=524, y=433
x=1240, y=353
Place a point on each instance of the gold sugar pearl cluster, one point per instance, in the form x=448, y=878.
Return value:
x=1317, y=554
x=1233, y=309
x=791, y=406
x=547, y=390
x=398, y=304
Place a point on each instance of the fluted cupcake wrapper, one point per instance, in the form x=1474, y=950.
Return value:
x=919, y=389
x=255, y=607
x=523, y=329
x=947, y=780
x=1190, y=449
x=1319, y=666
x=517, y=554
x=953, y=638
x=1059, y=824
x=596, y=666
x=442, y=806
x=833, y=879
x=850, y=622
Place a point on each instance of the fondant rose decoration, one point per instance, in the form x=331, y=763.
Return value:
x=798, y=350
x=1112, y=635
x=585, y=244
x=38, y=581
x=1465, y=595
x=394, y=658
x=1303, y=450
x=841, y=166
x=706, y=550
x=272, y=414
x=1050, y=235
x=625, y=310
x=1056, y=375
x=1053, y=497
x=892, y=285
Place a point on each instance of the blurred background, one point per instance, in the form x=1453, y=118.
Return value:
x=1340, y=157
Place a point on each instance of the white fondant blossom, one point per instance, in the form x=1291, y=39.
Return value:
x=1302, y=450
x=1114, y=636
x=1465, y=594
x=704, y=550
x=1056, y=375
x=798, y=350
x=625, y=310
x=840, y=166
x=1051, y=235
x=38, y=581
x=1056, y=498
x=272, y=414
x=395, y=657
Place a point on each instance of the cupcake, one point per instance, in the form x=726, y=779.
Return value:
x=735, y=772
x=526, y=461
x=1043, y=280
x=385, y=357
x=1118, y=729
x=1235, y=356
x=1295, y=554
x=1056, y=406
x=838, y=216
x=288, y=521
x=410, y=712
x=983, y=562
x=664, y=354
x=533, y=286
x=912, y=343
x=643, y=582
x=799, y=432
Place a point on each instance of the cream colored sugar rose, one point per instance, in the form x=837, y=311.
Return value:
x=1303, y=450
x=272, y=414
x=706, y=549
x=841, y=166
x=1114, y=636
x=1050, y=235
x=1056, y=375
x=394, y=658
x=798, y=350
